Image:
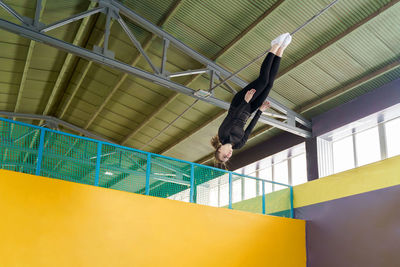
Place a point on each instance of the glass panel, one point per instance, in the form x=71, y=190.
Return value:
x=299, y=169
x=250, y=188
x=250, y=169
x=343, y=154
x=224, y=191
x=266, y=174
x=281, y=175
x=236, y=188
x=367, y=146
x=392, y=137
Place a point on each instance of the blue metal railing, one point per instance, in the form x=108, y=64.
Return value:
x=180, y=170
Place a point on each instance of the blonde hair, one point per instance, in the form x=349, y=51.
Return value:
x=216, y=143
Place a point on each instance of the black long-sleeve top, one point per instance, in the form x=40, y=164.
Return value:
x=232, y=128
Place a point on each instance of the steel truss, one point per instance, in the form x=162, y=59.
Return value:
x=113, y=10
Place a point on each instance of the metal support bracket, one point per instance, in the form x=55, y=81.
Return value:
x=212, y=77
x=111, y=12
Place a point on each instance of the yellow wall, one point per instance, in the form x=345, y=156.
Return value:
x=367, y=178
x=48, y=222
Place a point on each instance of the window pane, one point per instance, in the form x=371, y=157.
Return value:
x=224, y=190
x=367, y=146
x=392, y=137
x=250, y=169
x=299, y=169
x=250, y=188
x=266, y=174
x=236, y=190
x=343, y=157
x=281, y=174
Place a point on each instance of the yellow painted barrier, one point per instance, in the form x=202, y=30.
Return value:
x=48, y=222
x=367, y=178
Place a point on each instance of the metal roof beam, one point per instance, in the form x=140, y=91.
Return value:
x=137, y=44
x=200, y=58
x=84, y=53
x=81, y=79
x=220, y=53
x=67, y=63
x=121, y=79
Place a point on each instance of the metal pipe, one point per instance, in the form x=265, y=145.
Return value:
x=187, y=72
x=72, y=19
x=13, y=12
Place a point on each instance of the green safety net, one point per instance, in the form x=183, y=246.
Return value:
x=73, y=158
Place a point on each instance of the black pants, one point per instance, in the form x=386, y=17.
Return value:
x=262, y=84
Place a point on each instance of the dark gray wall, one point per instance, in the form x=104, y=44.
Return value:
x=312, y=159
x=357, y=231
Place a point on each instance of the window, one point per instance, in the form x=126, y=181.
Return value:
x=224, y=191
x=392, y=129
x=367, y=146
x=299, y=169
x=250, y=185
x=250, y=188
x=265, y=173
x=281, y=174
x=236, y=188
x=343, y=154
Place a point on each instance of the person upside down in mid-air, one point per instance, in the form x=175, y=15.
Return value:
x=231, y=134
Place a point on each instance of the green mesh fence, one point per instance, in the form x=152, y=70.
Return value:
x=244, y=194
x=207, y=183
x=68, y=158
x=122, y=169
x=278, y=203
x=34, y=150
x=19, y=147
x=169, y=178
